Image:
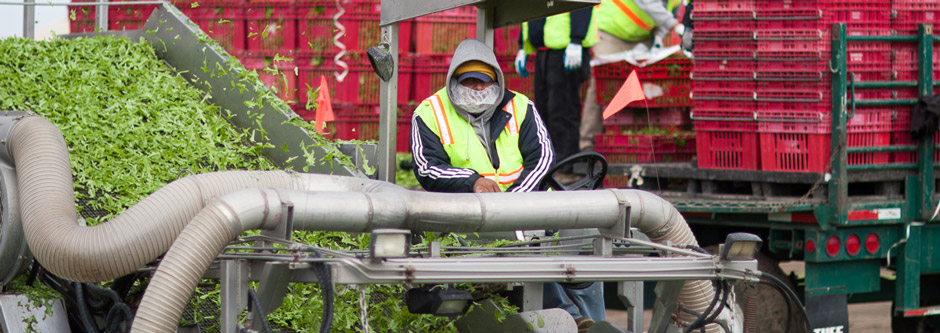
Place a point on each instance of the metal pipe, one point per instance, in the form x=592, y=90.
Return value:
x=178, y=215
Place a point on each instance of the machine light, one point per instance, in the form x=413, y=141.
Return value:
x=832, y=246
x=439, y=302
x=740, y=246
x=853, y=244
x=872, y=242
x=389, y=243
x=810, y=245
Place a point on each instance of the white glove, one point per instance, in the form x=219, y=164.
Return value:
x=520, y=64
x=680, y=29
x=573, y=55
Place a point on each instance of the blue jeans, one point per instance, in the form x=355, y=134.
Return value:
x=587, y=302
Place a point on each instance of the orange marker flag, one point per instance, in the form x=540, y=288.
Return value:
x=629, y=92
x=324, y=107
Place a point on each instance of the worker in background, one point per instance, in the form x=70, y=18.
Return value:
x=624, y=25
x=561, y=44
x=474, y=135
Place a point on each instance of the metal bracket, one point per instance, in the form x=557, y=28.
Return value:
x=619, y=230
x=285, y=226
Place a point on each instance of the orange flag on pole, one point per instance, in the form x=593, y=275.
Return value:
x=629, y=92
x=324, y=107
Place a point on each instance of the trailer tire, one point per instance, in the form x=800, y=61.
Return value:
x=771, y=309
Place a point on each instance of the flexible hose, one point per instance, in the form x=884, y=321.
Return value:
x=326, y=287
x=260, y=312
x=719, y=288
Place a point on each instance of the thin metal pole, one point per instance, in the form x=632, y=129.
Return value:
x=29, y=20
x=101, y=17
x=388, y=111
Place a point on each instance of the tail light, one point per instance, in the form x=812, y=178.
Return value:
x=832, y=246
x=853, y=244
x=872, y=243
x=810, y=245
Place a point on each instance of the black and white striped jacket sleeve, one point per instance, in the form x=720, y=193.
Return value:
x=537, y=152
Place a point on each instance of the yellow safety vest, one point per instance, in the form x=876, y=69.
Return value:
x=557, y=33
x=625, y=20
x=465, y=149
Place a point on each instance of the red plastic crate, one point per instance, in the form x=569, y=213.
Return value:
x=724, y=5
x=224, y=24
x=675, y=92
x=284, y=82
x=795, y=152
x=727, y=144
x=726, y=35
x=834, y=5
x=627, y=154
x=723, y=105
x=430, y=75
x=724, y=55
x=789, y=4
x=359, y=86
x=723, y=95
x=271, y=29
x=317, y=29
x=439, y=33
x=725, y=65
x=915, y=5
x=803, y=58
x=617, y=181
x=719, y=44
x=366, y=128
x=659, y=117
x=669, y=68
x=726, y=85
x=514, y=81
x=728, y=24
x=506, y=40
x=794, y=75
x=903, y=138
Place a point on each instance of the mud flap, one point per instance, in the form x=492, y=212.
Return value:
x=828, y=313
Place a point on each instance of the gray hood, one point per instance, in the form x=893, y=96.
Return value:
x=472, y=49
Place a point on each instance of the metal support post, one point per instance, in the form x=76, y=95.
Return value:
x=907, y=292
x=631, y=294
x=388, y=110
x=29, y=19
x=485, y=25
x=532, y=296
x=101, y=17
x=925, y=147
x=838, y=186
x=234, y=293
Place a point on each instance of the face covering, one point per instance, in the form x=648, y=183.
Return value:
x=475, y=101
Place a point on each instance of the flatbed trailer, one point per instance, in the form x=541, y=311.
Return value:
x=865, y=232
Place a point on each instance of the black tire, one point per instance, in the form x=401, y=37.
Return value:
x=771, y=306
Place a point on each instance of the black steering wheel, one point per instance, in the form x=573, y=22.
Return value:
x=595, y=169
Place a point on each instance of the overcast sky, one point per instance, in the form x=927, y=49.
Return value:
x=47, y=17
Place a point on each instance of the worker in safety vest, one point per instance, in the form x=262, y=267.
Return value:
x=561, y=44
x=474, y=135
x=622, y=26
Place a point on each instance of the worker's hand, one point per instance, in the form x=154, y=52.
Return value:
x=573, y=55
x=484, y=185
x=520, y=63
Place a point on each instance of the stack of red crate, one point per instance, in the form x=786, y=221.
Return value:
x=761, y=85
x=649, y=131
x=908, y=15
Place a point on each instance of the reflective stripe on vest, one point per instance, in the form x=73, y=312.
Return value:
x=441, y=118
x=625, y=20
x=507, y=144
